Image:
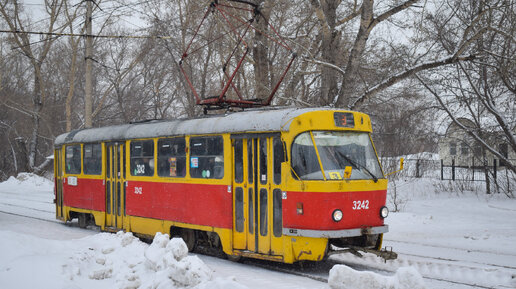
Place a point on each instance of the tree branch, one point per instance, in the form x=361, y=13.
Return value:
x=407, y=73
x=466, y=129
x=392, y=11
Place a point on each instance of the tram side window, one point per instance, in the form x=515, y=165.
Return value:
x=73, y=159
x=93, y=159
x=142, y=158
x=279, y=157
x=207, y=157
x=172, y=157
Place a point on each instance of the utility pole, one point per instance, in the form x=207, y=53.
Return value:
x=88, y=106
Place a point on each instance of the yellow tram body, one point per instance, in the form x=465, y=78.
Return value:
x=253, y=205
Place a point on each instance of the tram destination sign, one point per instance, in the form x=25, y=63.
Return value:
x=344, y=119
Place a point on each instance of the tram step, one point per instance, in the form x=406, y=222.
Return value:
x=112, y=229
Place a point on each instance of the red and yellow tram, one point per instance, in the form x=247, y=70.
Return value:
x=279, y=184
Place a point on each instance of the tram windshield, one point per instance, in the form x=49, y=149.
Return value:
x=337, y=150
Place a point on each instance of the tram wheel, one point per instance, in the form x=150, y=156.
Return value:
x=188, y=237
x=234, y=258
x=83, y=220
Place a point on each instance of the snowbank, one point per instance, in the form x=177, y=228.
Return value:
x=27, y=182
x=103, y=261
x=344, y=277
x=133, y=264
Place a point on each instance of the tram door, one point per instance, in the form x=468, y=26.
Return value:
x=254, y=205
x=115, y=185
x=58, y=183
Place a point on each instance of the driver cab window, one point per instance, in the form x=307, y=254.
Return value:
x=207, y=157
x=330, y=152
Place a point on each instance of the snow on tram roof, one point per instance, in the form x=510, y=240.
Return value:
x=246, y=121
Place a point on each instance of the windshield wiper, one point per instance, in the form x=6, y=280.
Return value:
x=358, y=165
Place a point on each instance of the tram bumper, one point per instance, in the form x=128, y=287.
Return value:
x=335, y=234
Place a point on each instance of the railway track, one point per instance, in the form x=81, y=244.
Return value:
x=30, y=217
x=16, y=196
x=449, y=248
x=320, y=272
x=456, y=260
x=27, y=208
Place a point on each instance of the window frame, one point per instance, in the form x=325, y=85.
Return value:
x=143, y=166
x=377, y=172
x=68, y=170
x=202, y=159
x=453, y=148
x=84, y=159
x=159, y=157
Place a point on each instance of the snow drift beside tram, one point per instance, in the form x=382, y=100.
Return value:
x=280, y=184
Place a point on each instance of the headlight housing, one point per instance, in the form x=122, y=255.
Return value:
x=337, y=215
x=384, y=212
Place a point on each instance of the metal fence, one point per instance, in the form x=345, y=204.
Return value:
x=473, y=172
x=445, y=170
x=416, y=168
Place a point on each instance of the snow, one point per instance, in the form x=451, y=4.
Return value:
x=239, y=122
x=27, y=182
x=102, y=260
x=440, y=234
x=343, y=277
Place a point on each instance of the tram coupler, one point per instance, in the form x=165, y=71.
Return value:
x=385, y=253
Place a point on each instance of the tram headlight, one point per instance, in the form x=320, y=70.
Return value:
x=384, y=212
x=337, y=215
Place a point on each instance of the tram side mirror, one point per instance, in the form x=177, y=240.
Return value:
x=347, y=172
x=402, y=160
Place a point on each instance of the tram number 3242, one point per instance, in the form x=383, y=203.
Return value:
x=361, y=205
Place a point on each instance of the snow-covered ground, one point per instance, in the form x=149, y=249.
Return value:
x=444, y=240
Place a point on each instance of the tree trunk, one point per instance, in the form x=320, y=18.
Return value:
x=38, y=106
x=330, y=44
x=20, y=156
x=326, y=12
x=260, y=52
x=71, y=88
x=348, y=84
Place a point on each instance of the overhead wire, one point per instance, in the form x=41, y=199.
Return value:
x=85, y=35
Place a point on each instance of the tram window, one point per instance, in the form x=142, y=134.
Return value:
x=279, y=157
x=251, y=211
x=263, y=161
x=108, y=197
x=123, y=161
x=239, y=161
x=172, y=157
x=73, y=159
x=263, y=212
x=250, y=166
x=93, y=159
x=142, y=158
x=277, y=215
x=239, y=209
x=207, y=157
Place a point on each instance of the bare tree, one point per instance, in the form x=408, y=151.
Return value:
x=482, y=90
x=12, y=15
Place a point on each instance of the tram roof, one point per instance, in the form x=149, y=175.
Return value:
x=239, y=122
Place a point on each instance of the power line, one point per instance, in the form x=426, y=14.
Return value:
x=87, y=35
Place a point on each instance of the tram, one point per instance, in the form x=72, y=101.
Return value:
x=286, y=185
